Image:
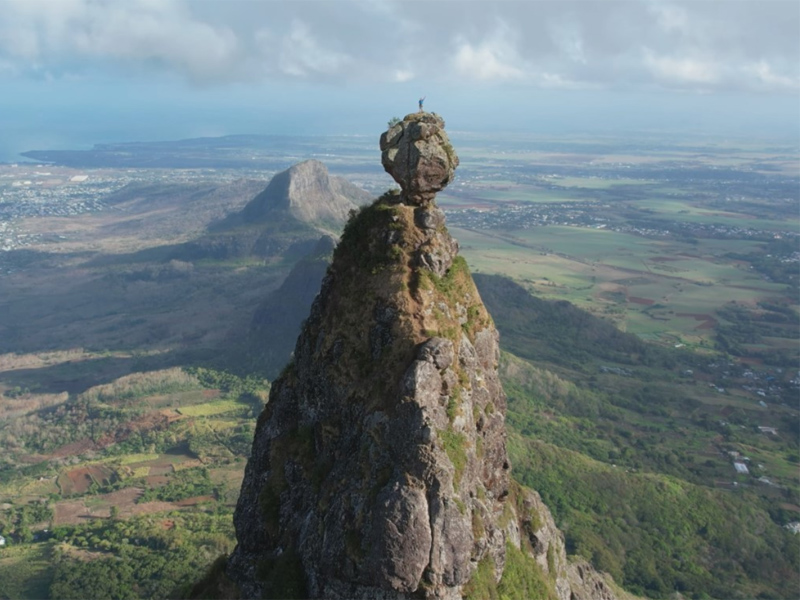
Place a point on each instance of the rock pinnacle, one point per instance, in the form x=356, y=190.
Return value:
x=417, y=153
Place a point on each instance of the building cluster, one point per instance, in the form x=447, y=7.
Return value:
x=767, y=384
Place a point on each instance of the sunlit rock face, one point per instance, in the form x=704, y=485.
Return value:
x=417, y=153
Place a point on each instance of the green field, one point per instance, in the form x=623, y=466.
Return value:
x=210, y=408
x=660, y=289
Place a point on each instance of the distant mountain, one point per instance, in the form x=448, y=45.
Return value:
x=285, y=220
x=308, y=193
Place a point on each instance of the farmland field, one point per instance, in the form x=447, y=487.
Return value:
x=662, y=290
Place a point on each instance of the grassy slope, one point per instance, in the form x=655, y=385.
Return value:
x=651, y=520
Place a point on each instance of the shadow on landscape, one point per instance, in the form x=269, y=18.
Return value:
x=152, y=307
x=77, y=376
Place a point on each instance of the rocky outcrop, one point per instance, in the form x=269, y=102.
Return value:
x=417, y=153
x=379, y=467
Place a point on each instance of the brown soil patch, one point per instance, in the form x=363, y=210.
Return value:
x=195, y=501
x=74, y=449
x=157, y=506
x=69, y=513
x=709, y=322
x=72, y=512
x=78, y=481
x=154, y=481
x=123, y=499
x=792, y=507
x=638, y=300
x=161, y=470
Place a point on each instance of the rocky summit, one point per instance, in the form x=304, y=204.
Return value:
x=379, y=466
x=417, y=153
x=308, y=193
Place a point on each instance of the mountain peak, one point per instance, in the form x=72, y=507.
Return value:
x=307, y=192
x=379, y=466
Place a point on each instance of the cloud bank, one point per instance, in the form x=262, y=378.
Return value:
x=746, y=45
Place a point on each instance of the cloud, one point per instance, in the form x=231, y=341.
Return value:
x=771, y=80
x=682, y=70
x=495, y=58
x=680, y=44
x=39, y=34
x=670, y=18
x=302, y=55
x=403, y=75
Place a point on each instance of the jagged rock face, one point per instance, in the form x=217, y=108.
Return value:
x=310, y=194
x=417, y=153
x=379, y=467
x=383, y=445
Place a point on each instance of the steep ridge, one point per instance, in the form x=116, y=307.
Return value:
x=276, y=323
x=379, y=467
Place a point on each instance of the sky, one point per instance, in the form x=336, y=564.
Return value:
x=78, y=72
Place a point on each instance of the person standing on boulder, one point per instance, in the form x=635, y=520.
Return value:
x=421, y=100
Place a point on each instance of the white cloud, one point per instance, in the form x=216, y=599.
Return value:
x=301, y=54
x=567, y=37
x=741, y=45
x=670, y=17
x=493, y=59
x=681, y=70
x=764, y=73
x=403, y=75
x=38, y=31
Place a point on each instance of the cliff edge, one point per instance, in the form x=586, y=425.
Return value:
x=379, y=466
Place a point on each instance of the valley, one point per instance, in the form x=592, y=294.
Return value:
x=127, y=415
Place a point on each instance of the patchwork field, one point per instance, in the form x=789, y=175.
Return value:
x=663, y=290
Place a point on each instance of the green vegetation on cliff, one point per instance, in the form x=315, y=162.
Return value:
x=633, y=457
x=657, y=534
x=522, y=579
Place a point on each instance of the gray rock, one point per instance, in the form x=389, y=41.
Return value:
x=417, y=153
x=437, y=350
x=429, y=218
x=400, y=543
